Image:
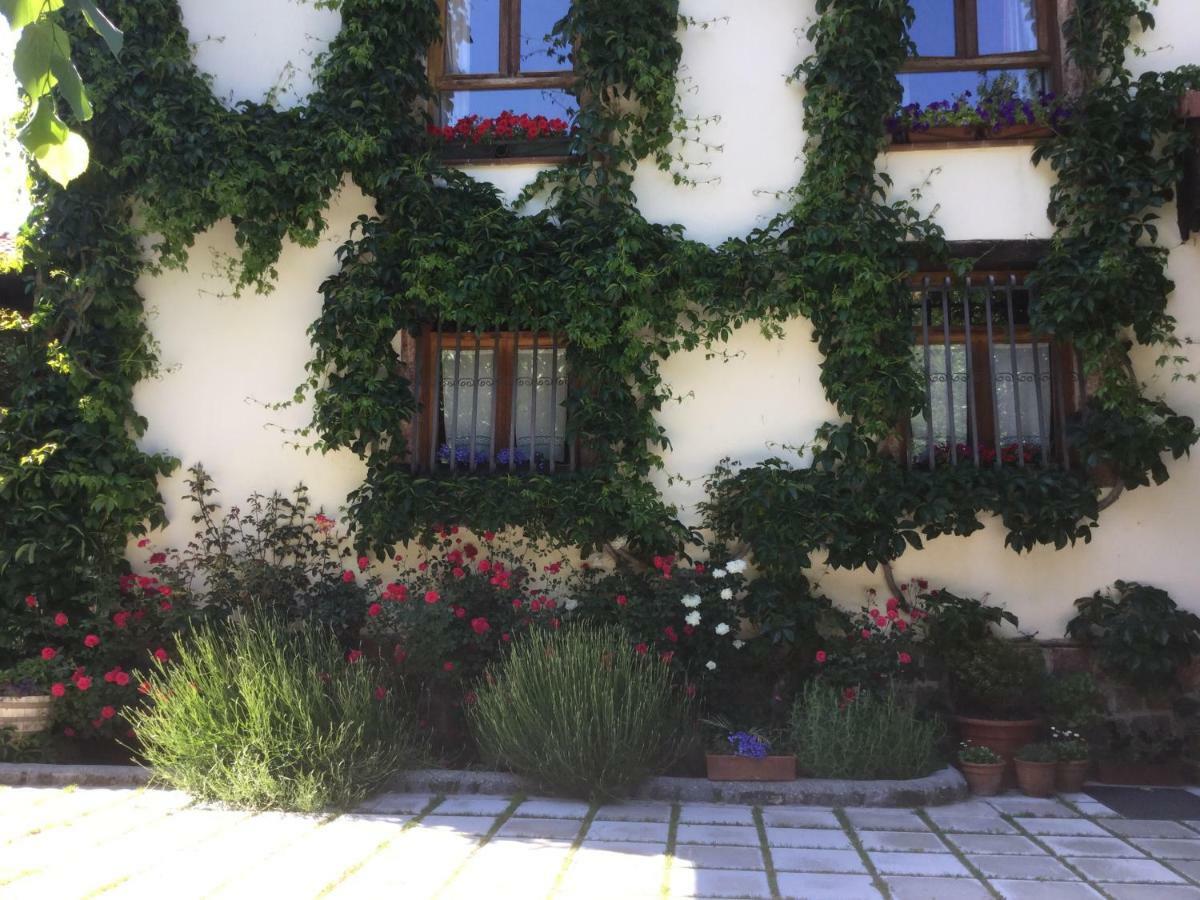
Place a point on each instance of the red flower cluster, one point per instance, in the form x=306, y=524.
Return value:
x=507, y=126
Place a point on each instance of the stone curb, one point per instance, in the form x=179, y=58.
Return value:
x=946, y=786
x=942, y=787
x=49, y=775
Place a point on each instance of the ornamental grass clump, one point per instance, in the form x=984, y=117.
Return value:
x=258, y=714
x=579, y=712
x=862, y=734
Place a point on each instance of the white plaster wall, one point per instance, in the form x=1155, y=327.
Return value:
x=760, y=398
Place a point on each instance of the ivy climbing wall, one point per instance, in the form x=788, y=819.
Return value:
x=227, y=361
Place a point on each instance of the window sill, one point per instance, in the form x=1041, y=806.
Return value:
x=553, y=151
x=960, y=136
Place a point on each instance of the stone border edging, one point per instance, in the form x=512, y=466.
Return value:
x=945, y=786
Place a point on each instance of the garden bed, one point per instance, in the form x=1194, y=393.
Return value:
x=942, y=787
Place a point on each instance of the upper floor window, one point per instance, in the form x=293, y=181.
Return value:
x=968, y=45
x=497, y=55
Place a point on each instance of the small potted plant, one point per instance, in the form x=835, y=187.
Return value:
x=983, y=768
x=25, y=698
x=1074, y=759
x=746, y=756
x=1037, y=767
x=996, y=688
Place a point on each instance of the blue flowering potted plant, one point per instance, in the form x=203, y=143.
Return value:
x=746, y=756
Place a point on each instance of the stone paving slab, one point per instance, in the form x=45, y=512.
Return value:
x=126, y=843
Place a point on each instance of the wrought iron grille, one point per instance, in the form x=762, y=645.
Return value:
x=492, y=400
x=996, y=393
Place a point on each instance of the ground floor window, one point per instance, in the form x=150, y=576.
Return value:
x=491, y=400
x=996, y=392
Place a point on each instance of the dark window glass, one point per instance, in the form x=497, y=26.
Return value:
x=537, y=21
x=486, y=104
x=472, y=36
x=933, y=28
x=1007, y=26
x=926, y=87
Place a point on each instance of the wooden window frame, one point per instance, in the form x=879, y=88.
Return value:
x=1063, y=359
x=427, y=347
x=967, y=57
x=510, y=76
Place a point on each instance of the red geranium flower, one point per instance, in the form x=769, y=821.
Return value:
x=622, y=600
x=83, y=682
x=506, y=637
x=107, y=712
x=489, y=535
x=374, y=609
x=30, y=601
x=447, y=666
x=48, y=653
x=58, y=689
x=347, y=576
x=905, y=659
x=893, y=603
x=60, y=619
x=165, y=591
x=670, y=633
x=380, y=692
x=480, y=625
x=484, y=565
x=363, y=563
x=144, y=542
x=821, y=656
x=121, y=618
x=866, y=634
x=460, y=612
x=471, y=551
x=161, y=655
x=354, y=656
x=121, y=678
x=458, y=572
x=641, y=648
x=432, y=597
x=165, y=606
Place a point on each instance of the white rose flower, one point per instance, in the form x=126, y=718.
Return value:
x=727, y=594
x=722, y=629
x=736, y=566
x=692, y=618
x=711, y=666
x=738, y=645
x=691, y=601
x=719, y=573
x=571, y=605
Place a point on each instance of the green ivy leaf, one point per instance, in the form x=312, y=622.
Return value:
x=61, y=153
x=99, y=23
x=24, y=12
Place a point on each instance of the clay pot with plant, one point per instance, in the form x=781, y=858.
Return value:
x=996, y=688
x=25, y=700
x=1074, y=759
x=1037, y=769
x=745, y=756
x=983, y=768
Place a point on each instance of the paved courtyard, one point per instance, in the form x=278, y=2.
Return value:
x=61, y=843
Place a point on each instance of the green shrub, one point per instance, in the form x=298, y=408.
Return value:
x=257, y=714
x=580, y=712
x=997, y=679
x=849, y=734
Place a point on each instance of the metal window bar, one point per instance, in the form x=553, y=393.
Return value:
x=1056, y=384
x=533, y=433
x=512, y=419
x=951, y=442
x=475, y=403
x=437, y=400
x=928, y=370
x=991, y=350
x=553, y=400
x=495, y=398
x=1042, y=422
x=452, y=437
x=972, y=410
x=1012, y=355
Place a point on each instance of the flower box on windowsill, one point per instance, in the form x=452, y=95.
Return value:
x=727, y=767
x=970, y=134
x=539, y=150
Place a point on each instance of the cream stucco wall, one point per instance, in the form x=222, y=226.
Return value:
x=226, y=358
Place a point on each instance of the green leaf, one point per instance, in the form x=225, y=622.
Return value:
x=39, y=44
x=70, y=85
x=61, y=153
x=100, y=23
x=23, y=12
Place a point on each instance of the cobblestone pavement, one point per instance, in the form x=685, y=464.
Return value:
x=63, y=843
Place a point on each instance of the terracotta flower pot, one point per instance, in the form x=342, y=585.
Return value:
x=1005, y=736
x=1036, y=778
x=723, y=767
x=939, y=133
x=984, y=779
x=1071, y=775
x=26, y=715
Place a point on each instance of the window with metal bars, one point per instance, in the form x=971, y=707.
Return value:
x=963, y=45
x=996, y=393
x=491, y=401
x=496, y=55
